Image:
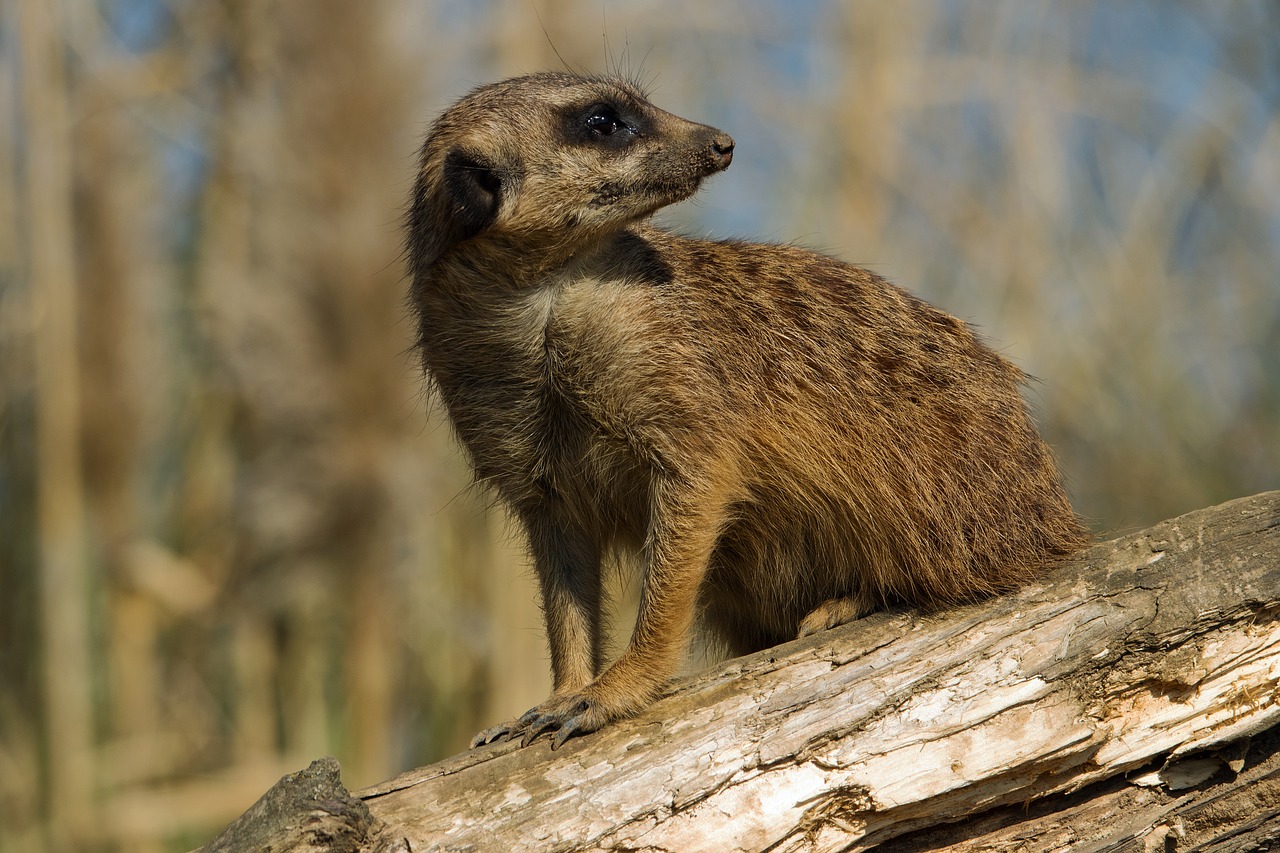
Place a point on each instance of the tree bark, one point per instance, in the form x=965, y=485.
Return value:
x=1128, y=700
x=306, y=812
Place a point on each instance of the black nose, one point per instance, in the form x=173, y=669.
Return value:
x=722, y=150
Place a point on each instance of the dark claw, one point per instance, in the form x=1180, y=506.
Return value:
x=566, y=730
x=537, y=726
x=505, y=731
x=493, y=735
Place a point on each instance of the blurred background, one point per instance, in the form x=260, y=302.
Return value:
x=233, y=535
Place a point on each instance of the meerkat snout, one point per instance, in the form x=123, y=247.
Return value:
x=722, y=149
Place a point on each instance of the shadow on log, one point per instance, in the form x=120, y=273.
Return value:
x=1128, y=700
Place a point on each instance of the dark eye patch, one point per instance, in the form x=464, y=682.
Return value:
x=603, y=123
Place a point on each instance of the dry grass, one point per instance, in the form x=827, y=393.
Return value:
x=280, y=557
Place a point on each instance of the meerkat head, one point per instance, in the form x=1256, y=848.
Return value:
x=552, y=162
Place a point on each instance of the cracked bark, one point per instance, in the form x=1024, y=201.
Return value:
x=1128, y=700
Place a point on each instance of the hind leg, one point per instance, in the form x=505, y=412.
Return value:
x=833, y=612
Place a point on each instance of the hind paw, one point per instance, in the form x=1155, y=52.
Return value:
x=830, y=613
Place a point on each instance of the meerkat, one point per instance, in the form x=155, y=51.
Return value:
x=787, y=442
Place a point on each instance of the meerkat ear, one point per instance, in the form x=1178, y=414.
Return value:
x=460, y=202
x=475, y=190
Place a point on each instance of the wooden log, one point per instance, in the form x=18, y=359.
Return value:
x=1130, y=697
x=306, y=812
x=1226, y=802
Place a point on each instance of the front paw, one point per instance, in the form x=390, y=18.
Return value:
x=560, y=716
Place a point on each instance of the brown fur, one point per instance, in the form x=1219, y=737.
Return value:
x=788, y=442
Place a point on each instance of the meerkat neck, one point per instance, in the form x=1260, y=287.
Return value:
x=495, y=266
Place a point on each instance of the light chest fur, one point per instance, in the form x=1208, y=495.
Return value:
x=526, y=376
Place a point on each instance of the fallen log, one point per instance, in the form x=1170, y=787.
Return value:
x=1129, y=696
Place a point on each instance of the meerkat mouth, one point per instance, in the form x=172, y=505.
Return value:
x=656, y=194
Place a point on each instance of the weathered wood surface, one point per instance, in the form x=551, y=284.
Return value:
x=306, y=812
x=1126, y=701
x=1224, y=802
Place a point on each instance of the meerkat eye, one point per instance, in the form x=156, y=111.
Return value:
x=604, y=121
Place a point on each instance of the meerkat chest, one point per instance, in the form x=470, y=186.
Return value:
x=533, y=388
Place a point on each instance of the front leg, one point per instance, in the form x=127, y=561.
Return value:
x=686, y=522
x=568, y=569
